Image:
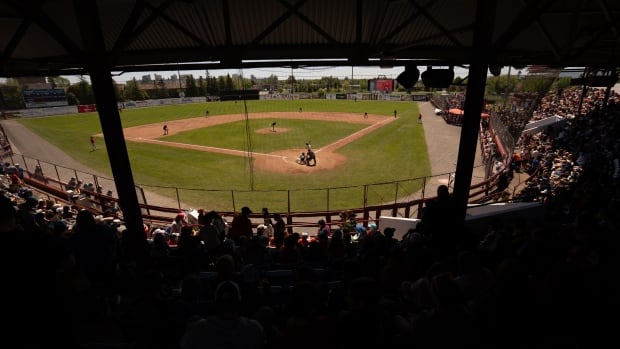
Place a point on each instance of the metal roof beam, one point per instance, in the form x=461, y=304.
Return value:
x=37, y=16
x=530, y=14
x=404, y=24
x=15, y=40
x=436, y=23
x=610, y=19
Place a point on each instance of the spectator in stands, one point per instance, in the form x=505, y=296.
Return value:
x=78, y=186
x=323, y=228
x=440, y=230
x=502, y=182
x=67, y=212
x=227, y=328
x=303, y=240
x=20, y=171
x=189, y=248
x=159, y=247
x=267, y=221
x=279, y=231
x=15, y=183
x=38, y=173
x=449, y=314
x=72, y=184
x=289, y=253
x=177, y=224
x=94, y=247
x=211, y=236
x=382, y=329
x=390, y=242
x=241, y=225
x=516, y=161
x=534, y=164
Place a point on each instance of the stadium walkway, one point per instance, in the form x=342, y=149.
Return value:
x=442, y=142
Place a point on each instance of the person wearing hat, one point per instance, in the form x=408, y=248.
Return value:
x=303, y=240
x=241, y=225
x=372, y=229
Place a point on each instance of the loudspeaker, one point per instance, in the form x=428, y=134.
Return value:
x=409, y=77
x=438, y=78
x=496, y=70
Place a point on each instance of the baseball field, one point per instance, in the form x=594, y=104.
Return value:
x=243, y=153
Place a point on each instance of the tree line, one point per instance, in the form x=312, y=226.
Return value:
x=81, y=92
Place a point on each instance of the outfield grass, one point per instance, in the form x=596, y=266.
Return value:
x=396, y=151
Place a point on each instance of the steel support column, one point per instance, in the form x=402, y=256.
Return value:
x=97, y=62
x=474, y=99
x=110, y=120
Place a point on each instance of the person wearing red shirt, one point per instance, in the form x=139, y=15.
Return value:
x=16, y=182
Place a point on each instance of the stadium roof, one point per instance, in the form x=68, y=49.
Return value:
x=66, y=37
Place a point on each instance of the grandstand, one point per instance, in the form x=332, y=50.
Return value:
x=514, y=282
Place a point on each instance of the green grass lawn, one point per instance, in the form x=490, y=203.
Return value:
x=396, y=151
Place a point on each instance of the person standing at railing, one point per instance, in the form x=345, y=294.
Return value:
x=241, y=225
x=177, y=225
x=441, y=231
x=279, y=230
x=267, y=222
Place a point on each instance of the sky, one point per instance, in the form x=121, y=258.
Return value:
x=305, y=73
x=283, y=73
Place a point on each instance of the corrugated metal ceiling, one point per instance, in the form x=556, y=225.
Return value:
x=63, y=36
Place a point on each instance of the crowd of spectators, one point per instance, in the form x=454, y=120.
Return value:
x=581, y=149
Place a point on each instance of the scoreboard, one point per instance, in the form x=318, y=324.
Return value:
x=381, y=85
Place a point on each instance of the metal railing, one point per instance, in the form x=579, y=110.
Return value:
x=400, y=198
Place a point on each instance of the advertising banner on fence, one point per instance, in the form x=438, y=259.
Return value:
x=87, y=108
x=44, y=97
